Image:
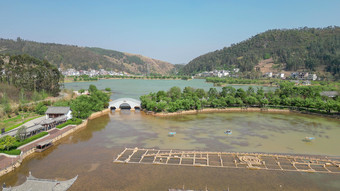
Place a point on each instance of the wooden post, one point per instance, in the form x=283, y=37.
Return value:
x=194, y=161
x=143, y=156
x=207, y=159
x=155, y=156
x=221, y=160
x=180, y=160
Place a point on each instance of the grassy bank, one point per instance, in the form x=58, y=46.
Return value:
x=17, y=125
x=30, y=139
x=74, y=121
x=17, y=144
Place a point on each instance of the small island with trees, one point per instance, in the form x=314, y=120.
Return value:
x=287, y=95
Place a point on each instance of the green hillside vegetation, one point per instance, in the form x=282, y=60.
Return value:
x=83, y=58
x=307, y=49
x=30, y=74
x=24, y=79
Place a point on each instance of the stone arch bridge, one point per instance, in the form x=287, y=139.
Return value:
x=125, y=103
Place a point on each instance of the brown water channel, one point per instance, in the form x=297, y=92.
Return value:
x=89, y=152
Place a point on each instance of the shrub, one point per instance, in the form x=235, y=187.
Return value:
x=41, y=108
x=11, y=152
x=73, y=121
x=30, y=139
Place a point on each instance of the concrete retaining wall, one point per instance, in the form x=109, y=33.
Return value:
x=213, y=110
x=18, y=159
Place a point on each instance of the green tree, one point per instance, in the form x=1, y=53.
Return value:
x=250, y=100
x=161, y=95
x=40, y=108
x=200, y=93
x=81, y=107
x=240, y=93
x=21, y=133
x=230, y=100
x=251, y=91
x=212, y=93
x=7, y=142
x=263, y=102
x=275, y=100
x=93, y=88
x=5, y=103
x=174, y=93
x=229, y=90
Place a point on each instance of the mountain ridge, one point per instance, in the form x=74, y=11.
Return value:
x=72, y=56
x=306, y=49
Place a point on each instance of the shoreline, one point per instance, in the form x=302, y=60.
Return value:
x=217, y=110
x=264, y=85
x=20, y=158
x=123, y=79
x=238, y=109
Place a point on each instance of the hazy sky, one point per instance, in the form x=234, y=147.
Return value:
x=175, y=30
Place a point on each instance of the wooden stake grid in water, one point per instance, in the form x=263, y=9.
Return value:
x=259, y=161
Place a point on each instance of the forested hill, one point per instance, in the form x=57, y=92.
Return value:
x=28, y=73
x=308, y=49
x=67, y=56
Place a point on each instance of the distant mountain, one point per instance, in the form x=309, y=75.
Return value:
x=303, y=49
x=69, y=56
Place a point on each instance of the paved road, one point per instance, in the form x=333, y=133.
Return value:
x=34, y=121
x=7, y=161
x=28, y=124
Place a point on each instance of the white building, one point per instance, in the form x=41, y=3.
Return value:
x=312, y=77
x=53, y=112
x=269, y=74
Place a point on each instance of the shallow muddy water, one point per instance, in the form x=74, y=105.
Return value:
x=90, y=151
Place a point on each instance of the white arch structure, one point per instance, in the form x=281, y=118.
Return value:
x=133, y=103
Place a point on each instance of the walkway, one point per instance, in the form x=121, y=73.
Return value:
x=27, y=124
x=6, y=161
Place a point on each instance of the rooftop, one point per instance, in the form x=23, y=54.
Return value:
x=37, y=184
x=57, y=110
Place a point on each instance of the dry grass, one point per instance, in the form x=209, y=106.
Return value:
x=12, y=93
x=268, y=66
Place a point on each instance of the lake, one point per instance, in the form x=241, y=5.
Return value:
x=134, y=88
x=90, y=151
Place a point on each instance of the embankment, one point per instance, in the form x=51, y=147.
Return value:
x=84, y=124
x=213, y=110
x=17, y=160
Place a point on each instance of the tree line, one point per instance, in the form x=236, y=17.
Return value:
x=82, y=106
x=229, y=80
x=287, y=95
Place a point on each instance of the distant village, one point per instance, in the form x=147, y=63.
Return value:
x=220, y=73
x=303, y=78
x=91, y=72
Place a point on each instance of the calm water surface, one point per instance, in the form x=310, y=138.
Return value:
x=135, y=88
x=90, y=151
